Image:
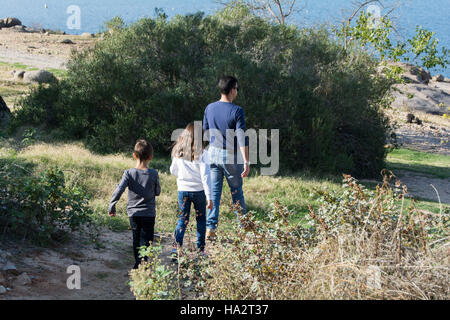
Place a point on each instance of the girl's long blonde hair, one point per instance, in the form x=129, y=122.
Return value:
x=186, y=147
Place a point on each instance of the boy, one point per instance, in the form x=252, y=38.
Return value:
x=143, y=186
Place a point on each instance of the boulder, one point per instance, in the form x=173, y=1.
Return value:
x=87, y=35
x=40, y=76
x=67, y=41
x=10, y=22
x=422, y=75
x=2, y=290
x=18, y=75
x=22, y=280
x=10, y=268
x=438, y=78
x=4, y=110
x=18, y=28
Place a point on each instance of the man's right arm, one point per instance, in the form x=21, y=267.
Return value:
x=243, y=141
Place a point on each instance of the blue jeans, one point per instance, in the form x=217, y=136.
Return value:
x=219, y=168
x=185, y=199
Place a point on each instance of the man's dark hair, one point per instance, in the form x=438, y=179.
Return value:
x=143, y=150
x=226, y=83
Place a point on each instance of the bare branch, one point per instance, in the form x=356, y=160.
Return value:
x=278, y=10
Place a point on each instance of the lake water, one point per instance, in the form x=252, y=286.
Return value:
x=53, y=14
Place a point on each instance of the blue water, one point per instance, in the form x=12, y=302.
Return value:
x=433, y=14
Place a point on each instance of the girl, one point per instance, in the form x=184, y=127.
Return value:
x=193, y=181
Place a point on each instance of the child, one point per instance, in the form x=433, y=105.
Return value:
x=143, y=186
x=188, y=165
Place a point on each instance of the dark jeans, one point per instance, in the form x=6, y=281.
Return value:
x=185, y=199
x=143, y=232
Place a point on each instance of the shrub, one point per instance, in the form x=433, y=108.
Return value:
x=152, y=77
x=39, y=206
x=152, y=280
x=358, y=245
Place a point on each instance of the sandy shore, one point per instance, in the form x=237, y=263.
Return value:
x=39, y=50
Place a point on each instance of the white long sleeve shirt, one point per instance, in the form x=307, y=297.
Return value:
x=192, y=175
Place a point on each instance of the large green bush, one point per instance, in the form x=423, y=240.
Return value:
x=157, y=75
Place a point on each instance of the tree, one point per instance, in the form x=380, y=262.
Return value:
x=373, y=33
x=275, y=10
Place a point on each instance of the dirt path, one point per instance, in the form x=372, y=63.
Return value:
x=104, y=270
x=420, y=185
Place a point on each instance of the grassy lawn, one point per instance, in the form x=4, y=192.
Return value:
x=420, y=162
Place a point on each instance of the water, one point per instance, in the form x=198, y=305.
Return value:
x=52, y=14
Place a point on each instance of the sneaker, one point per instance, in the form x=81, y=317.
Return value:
x=174, y=255
x=211, y=235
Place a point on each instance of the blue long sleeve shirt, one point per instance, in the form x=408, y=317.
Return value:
x=143, y=187
x=222, y=116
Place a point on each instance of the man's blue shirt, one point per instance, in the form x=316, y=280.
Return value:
x=220, y=117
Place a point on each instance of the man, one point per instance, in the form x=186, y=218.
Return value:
x=224, y=123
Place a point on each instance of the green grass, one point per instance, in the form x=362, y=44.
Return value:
x=420, y=162
x=59, y=73
x=99, y=175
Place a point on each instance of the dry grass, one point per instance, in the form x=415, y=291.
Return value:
x=362, y=245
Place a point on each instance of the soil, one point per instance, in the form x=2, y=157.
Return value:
x=38, y=49
x=104, y=269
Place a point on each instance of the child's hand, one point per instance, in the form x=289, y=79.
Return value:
x=111, y=214
x=210, y=205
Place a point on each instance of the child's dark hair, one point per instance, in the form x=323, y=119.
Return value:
x=143, y=150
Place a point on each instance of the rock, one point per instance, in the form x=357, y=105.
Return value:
x=18, y=75
x=4, y=113
x=18, y=28
x=422, y=75
x=67, y=41
x=40, y=76
x=9, y=266
x=438, y=78
x=2, y=290
x=22, y=280
x=87, y=35
x=10, y=22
